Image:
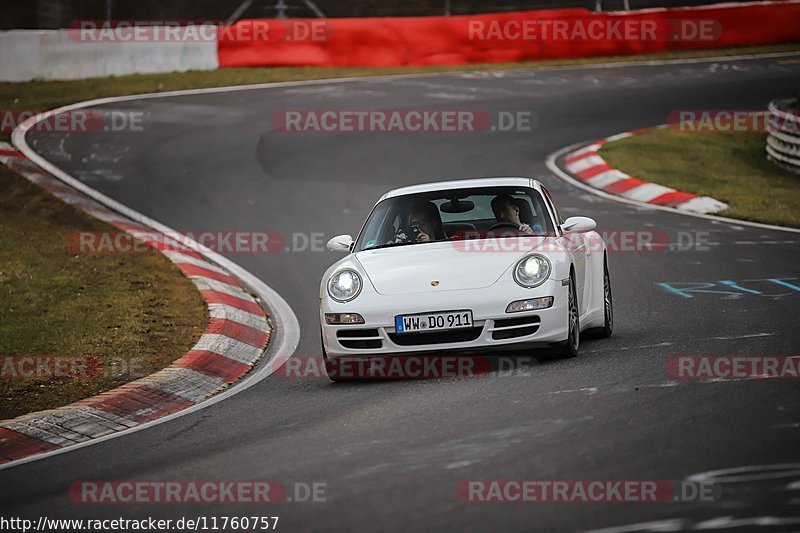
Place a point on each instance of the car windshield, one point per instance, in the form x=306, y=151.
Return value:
x=456, y=214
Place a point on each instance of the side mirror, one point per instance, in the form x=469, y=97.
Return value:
x=579, y=224
x=340, y=243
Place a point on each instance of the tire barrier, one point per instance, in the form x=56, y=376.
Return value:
x=783, y=133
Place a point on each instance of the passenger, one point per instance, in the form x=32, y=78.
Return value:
x=506, y=210
x=424, y=225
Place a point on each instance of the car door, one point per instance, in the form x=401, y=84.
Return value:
x=576, y=244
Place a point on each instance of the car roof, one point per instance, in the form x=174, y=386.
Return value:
x=507, y=181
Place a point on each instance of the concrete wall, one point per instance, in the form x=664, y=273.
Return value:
x=61, y=55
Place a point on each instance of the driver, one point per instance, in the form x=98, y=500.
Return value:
x=424, y=224
x=505, y=209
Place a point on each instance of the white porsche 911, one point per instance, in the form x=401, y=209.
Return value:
x=462, y=267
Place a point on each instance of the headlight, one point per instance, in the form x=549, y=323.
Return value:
x=532, y=271
x=344, y=285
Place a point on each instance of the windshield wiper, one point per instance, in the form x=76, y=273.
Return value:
x=389, y=245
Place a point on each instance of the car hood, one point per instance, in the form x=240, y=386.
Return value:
x=456, y=265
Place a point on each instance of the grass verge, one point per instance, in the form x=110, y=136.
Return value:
x=134, y=312
x=731, y=167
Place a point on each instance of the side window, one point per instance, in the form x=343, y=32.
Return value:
x=552, y=206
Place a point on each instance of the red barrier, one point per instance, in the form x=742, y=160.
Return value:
x=500, y=38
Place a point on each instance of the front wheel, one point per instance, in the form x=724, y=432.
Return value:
x=573, y=342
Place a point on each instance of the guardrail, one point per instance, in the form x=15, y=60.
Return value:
x=783, y=133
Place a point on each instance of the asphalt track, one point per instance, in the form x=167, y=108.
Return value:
x=392, y=453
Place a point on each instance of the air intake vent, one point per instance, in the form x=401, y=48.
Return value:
x=510, y=328
x=359, y=339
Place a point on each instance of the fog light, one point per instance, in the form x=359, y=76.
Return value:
x=343, y=318
x=530, y=305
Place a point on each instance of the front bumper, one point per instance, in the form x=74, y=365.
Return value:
x=488, y=305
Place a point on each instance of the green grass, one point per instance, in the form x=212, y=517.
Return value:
x=731, y=167
x=120, y=308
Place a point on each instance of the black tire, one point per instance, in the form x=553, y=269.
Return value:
x=608, y=307
x=573, y=342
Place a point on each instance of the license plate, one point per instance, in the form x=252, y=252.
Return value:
x=432, y=321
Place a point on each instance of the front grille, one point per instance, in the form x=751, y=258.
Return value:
x=436, y=337
x=511, y=328
x=359, y=339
